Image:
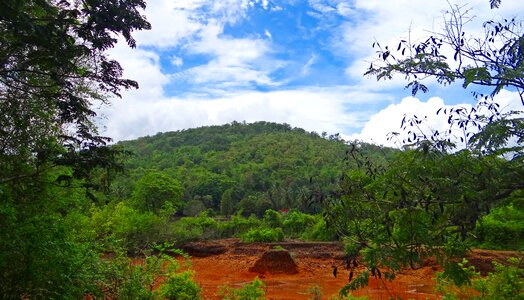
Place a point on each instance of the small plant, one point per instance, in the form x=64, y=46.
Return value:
x=278, y=247
x=250, y=291
x=315, y=292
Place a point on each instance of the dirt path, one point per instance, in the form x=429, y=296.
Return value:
x=228, y=262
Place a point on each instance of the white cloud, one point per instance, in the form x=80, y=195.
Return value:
x=389, y=119
x=234, y=61
x=196, y=27
x=142, y=66
x=390, y=22
x=171, y=21
x=314, y=109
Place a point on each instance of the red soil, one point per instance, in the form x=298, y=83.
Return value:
x=232, y=263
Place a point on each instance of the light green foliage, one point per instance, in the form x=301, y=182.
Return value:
x=503, y=227
x=40, y=257
x=238, y=225
x=272, y=218
x=249, y=291
x=180, y=286
x=122, y=225
x=122, y=278
x=195, y=228
x=154, y=190
x=319, y=231
x=506, y=283
x=294, y=223
x=263, y=234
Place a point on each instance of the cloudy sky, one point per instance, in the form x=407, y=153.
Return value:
x=211, y=62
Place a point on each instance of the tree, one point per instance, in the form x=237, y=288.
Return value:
x=53, y=68
x=427, y=200
x=494, y=61
x=227, y=205
x=156, y=191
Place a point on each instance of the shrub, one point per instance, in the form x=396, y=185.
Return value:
x=121, y=279
x=195, y=228
x=180, y=286
x=504, y=284
x=238, y=225
x=295, y=223
x=267, y=235
x=272, y=218
x=128, y=226
x=502, y=228
x=250, y=291
x=319, y=231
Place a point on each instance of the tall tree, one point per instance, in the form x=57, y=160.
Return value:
x=427, y=200
x=53, y=69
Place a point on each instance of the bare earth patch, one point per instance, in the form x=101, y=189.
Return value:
x=233, y=263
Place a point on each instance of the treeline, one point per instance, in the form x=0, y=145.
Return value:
x=237, y=168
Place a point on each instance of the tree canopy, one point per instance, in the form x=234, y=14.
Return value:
x=428, y=200
x=494, y=60
x=53, y=70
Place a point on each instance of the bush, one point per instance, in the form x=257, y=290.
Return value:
x=295, y=223
x=127, y=226
x=195, y=228
x=121, y=279
x=504, y=284
x=251, y=291
x=319, y=231
x=180, y=286
x=238, y=225
x=502, y=228
x=266, y=235
x=272, y=218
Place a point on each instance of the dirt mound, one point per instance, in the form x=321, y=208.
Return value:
x=275, y=261
x=205, y=248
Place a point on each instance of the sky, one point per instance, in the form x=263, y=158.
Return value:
x=289, y=61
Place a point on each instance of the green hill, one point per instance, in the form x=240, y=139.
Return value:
x=238, y=166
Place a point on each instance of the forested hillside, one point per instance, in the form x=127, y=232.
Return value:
x=241, y=167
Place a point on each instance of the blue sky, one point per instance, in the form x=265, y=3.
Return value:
x=294, y=61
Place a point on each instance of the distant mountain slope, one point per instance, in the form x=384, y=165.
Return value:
x=238, y=166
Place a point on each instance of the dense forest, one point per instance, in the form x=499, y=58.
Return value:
x=75, y=210
x=240, y=167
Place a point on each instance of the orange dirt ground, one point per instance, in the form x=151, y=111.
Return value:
x=228, y=262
